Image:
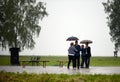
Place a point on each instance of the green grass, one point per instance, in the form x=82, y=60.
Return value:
x=105, y=61
x=95, y=61
x=25, y=77
x=4, y=60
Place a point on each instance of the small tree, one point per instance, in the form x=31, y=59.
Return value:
x=112, y=8
x=19, y=21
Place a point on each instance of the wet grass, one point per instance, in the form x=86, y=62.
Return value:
x=95, y=61
x=105, y=61
x=4, y=60
x=25, y=77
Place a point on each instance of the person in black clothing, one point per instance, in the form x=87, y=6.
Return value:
x=87, y=55
x=82, y=56
x=77, y=54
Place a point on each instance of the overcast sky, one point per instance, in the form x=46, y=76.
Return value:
x=84, y=19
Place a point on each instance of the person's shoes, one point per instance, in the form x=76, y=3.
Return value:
x=82, y=67
x=78, y=68
x=74, y=68
x=68, y=68
x=87, y=67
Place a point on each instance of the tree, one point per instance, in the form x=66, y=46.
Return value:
x=19, y=21
x=112, y=8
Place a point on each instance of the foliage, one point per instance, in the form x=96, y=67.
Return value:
x=19, y=21
x=25, y=77
x=112, y=8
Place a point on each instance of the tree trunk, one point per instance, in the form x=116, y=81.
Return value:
x=14, y=59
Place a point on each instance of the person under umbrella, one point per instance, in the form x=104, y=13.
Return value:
x=71, y=53
x=77, y=54
x=87, y=52
x=88, y=55
x=83, y=50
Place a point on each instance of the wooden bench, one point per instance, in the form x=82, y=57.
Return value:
x=44, y=62
x=33, y=62
x=62, y=62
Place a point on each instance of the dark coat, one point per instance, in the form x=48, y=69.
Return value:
x=77, y=53
x=83, y=50
x=88, y=52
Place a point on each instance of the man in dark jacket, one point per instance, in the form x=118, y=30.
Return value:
x=77, y=54
x=87, y=55
x=83, y=50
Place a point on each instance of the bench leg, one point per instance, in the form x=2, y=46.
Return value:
x=61, y=64
x=44, y=64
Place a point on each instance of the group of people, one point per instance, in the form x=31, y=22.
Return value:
x=76, y=51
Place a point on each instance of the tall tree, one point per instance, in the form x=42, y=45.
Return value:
x=112, y=8
x=19, y=22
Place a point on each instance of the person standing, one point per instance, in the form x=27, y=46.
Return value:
x=71, y=53
x=82, y=56
x=77, y=55
x=87, y=55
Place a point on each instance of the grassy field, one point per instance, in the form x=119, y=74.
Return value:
x=24, y=77
x=95, y=61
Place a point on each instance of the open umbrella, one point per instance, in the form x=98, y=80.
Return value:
x=72, y=38
x=86, y=41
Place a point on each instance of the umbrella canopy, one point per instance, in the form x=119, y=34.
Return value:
x=72, y=38
x=86, y=41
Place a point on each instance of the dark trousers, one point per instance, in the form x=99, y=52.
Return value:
x=87, y=61
x=71, y=59
x=77, y=61
x=83, y=61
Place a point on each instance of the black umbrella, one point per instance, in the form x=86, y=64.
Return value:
x=72, y=38
x=86, y=41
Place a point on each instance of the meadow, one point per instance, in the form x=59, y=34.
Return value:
x=95, y=61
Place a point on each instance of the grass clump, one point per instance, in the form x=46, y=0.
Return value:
x=25, y=77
